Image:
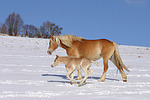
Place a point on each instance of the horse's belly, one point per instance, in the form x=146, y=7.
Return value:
x=92, y=56
x=95, y=57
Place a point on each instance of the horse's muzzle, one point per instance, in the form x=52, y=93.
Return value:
x=49, y=52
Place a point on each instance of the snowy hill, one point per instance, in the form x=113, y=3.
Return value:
x=25, y=74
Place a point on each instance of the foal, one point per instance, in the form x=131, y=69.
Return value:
x=73, y=64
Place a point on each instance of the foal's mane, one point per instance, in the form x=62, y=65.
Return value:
x=68, y=39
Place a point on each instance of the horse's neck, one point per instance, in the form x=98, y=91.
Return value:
x=63, y=46
x=69, y=50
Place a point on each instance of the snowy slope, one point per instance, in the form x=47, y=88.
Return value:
x=25, y=74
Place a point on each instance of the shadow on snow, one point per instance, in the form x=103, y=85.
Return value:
x=64, y=77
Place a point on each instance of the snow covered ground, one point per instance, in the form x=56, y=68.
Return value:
x=25, y=74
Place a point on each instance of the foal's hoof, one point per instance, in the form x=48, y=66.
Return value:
x=75, y=82
x=78, y=78
x=71, y=83
x=79, y=85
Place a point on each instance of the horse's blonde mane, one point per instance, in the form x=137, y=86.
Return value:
x=68, y=39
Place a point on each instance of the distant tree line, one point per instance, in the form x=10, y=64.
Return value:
x=14, y=26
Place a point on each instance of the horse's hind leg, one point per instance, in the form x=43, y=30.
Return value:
x=112, y=59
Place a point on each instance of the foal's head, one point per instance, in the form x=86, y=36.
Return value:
x=56, y=61
x=53, y=45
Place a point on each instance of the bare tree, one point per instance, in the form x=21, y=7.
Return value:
x=14, y=24
x=37, y=33
x=48, y=29
x=3, y=29
x=31, y=31
x=18, y=24
x=45, y=29
x=0, y=27
x=25, y=30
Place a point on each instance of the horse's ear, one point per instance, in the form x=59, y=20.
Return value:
x=57, y=40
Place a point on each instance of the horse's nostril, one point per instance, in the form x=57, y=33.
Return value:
x=49, y=52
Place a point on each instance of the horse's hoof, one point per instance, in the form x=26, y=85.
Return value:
x=100, y=80
x=124, y=80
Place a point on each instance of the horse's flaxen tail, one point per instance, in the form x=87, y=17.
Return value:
x=118, y=60
x=95, y=62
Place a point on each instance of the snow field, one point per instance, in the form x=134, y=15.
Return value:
x=25, y=74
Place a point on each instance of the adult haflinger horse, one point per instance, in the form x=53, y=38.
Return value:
x=92, y=49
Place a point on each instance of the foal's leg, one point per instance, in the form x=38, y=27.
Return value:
x=72, y=75
x=70, y=71
x=87, y=74
x=79, y=75
x=105, y=62
x=90, y=72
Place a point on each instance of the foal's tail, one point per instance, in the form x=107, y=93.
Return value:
x=118, y=60
x=95, y=62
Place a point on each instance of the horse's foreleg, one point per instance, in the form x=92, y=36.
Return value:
x=102, y=79
x=79, y=75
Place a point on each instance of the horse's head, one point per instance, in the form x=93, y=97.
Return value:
x=53, y=44
x=56, y=61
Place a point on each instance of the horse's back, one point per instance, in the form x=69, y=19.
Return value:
x=93, y=44
x=93, y=49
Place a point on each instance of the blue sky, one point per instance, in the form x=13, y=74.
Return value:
x=125, y=21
